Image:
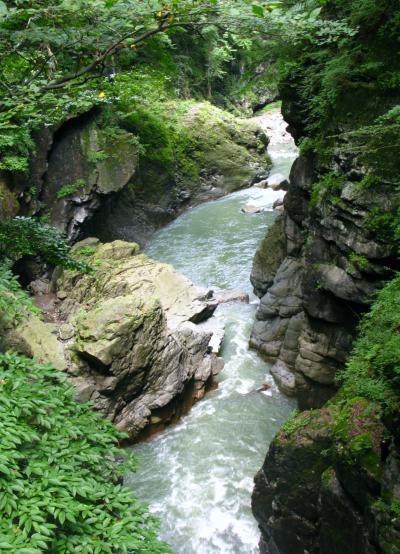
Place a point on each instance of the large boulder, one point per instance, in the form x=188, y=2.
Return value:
x=127, y=336
x=319, y=491
x=85, y=164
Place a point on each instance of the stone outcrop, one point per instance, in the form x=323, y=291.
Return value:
x=85, y=164
x=316, y=272
x=90, y=177
x=127, y=336
x=329, y=482
x=320, y=488
x=226, y=154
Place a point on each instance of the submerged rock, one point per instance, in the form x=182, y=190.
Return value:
x=275, y=182
x=250, y=209
x=223, y=297
x=127, y=336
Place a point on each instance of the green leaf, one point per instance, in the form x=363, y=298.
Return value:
x=258, y=10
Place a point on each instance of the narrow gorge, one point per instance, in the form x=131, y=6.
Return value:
x=199, y=289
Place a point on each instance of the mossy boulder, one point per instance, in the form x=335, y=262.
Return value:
x=269, y=256
x=189, y=152
x=126, y=334
x=322, y=485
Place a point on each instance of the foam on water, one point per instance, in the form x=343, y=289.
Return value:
x=197, y=476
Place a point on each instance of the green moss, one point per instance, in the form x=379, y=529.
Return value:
x=357, y=262
x=327, y=189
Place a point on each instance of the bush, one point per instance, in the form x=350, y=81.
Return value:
x=60, y=488
x=14, y=301
x=373, y=370
x=23, y=236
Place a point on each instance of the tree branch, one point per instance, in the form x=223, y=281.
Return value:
x=118, y=45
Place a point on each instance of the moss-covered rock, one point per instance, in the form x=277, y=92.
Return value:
x=269, y=256
x=322, y=485
x=189, y=152
x=126, y=334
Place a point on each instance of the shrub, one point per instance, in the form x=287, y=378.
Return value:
x=14, y=301
x=23, y=236
x=60, y=485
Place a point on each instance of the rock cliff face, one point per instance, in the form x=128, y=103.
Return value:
x=127, y=336
x=315, y=273
x=329, y=483
x=320, y=491
x=92, y=176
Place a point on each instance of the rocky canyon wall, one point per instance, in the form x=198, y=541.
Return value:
x=330, y=480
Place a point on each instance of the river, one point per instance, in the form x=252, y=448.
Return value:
x=197, y=476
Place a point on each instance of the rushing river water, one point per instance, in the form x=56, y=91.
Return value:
x=197, y=476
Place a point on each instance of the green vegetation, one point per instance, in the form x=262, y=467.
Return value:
x=14, y=301
x=155, y=69
x=24, y=236
x=51, y=69
x=69, y=190
x=373, y=369
x=327, y=189
x=60, y=469
x=357, y=262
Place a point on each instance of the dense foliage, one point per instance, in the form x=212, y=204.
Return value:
x=60, y=58
x=342, y=58
x=15, y=302
x=23, y=236
x=373, y=370
x=60, y=480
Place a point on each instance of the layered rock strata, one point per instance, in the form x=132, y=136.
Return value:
x=127, y=336
x=316, y=273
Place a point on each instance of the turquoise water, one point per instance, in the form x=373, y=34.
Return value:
x=197, y=476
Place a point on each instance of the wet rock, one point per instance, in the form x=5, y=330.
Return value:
x=278, y=205
x=261, y=184
x=250, y=209
x=277, y=181
x=268, y=258
x=223, y=297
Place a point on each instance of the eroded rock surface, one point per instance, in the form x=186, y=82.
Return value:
x=316, y=272
x=318, y=491
x=127, y=336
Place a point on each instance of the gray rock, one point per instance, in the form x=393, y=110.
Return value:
x=277, y=181
x=268, y=258
x=223, y=297
x=250, y=209
x=284, y=378
x=278, y=205
x=129, y=343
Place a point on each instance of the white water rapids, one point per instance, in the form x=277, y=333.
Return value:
x=197, y=476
